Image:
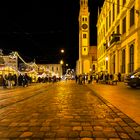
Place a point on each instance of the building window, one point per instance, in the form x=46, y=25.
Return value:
x=85, y=19
x=131, y=58
x=109, y=18
x=113, y=15
x=123, y=61
x=118, y=6
x=106, y=24
x=124, y=1
x=118, y=29
x=84, y=35
x=124, y=25
x=52, y=68
x=132, y=16
x=93, y=67
x=114, y=64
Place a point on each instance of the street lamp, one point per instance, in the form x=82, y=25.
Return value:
x=62, y=51
x=61, y=62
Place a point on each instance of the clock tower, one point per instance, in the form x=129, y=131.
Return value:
x=84, y=63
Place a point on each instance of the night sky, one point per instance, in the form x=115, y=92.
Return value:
x=39, y=29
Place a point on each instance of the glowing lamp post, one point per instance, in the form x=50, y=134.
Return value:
x=62, y=50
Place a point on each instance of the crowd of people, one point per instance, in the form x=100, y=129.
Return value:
x=89, y=78
x=9, y=81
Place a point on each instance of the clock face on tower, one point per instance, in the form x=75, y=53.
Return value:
x=84, y=26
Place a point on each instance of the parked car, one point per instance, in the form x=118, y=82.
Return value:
x=133, y=80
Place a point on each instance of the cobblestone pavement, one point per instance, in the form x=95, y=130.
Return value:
x=123, y=97
x=63, y=111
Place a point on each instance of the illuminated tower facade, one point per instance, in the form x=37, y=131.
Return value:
x=84, y=62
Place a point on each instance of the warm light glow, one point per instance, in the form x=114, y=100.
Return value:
x=66, y=64
x=62, y=50
x=61, y=62
x=106, y=58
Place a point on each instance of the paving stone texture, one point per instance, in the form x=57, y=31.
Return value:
x=62, y=111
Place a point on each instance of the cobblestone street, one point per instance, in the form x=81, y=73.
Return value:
x=62, y=111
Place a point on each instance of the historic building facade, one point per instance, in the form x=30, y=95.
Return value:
x=50, y=69
x=118, y=32
x=85, y=62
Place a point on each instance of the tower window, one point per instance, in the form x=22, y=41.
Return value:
x=85, y=19
x=84, y=49
x=84, y=35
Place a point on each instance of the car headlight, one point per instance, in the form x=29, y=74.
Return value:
x=132, y=76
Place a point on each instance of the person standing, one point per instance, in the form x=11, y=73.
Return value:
x=119, y=77
x=10, y=80
x=97, y=78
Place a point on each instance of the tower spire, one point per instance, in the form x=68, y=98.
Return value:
x=84, y=3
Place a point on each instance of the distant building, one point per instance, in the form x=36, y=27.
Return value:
x=50, y=69
x=87, y=54
x=118, y=32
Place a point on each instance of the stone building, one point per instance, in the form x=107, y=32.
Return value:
x=118, y=32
